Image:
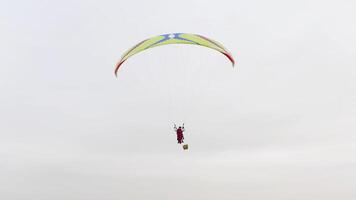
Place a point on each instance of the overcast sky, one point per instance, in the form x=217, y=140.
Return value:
x=280, y=125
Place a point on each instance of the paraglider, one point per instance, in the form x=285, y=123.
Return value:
x=179, y=131
x=180, y=136
x=174, y=38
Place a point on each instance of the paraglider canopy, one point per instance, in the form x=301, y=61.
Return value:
x=174, y=38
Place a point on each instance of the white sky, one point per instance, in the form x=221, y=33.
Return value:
x=280, y=127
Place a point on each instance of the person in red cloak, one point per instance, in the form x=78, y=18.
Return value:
x=180, y=136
